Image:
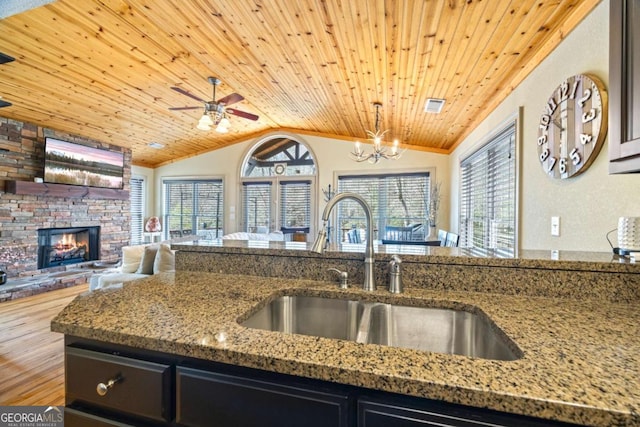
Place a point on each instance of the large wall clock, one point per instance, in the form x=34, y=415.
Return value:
x=573, y=126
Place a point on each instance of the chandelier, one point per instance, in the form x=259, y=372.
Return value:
x=380, y=150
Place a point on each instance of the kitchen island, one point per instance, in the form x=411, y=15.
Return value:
x=580, y=356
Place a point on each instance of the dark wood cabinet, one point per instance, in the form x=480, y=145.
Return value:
x=624, y=86
x=401, y=411
x=163, y=390
x=207, y=398
x=139, y=388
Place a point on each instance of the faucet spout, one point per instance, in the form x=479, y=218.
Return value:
x=318, y=245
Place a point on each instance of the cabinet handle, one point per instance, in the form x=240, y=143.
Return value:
x=102, y=389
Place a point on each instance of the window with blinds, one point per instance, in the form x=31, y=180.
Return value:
x=488, y=196
x=256, y=203
x=295, y=204
x=136, y=195
x=194, y=207
x=395, y=200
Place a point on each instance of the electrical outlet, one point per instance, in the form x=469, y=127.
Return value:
x=555, y=225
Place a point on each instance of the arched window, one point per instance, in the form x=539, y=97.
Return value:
x=278, y=188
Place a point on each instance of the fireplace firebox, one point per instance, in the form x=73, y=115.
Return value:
x=64, y=246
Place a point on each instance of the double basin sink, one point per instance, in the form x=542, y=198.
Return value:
x=440, y=330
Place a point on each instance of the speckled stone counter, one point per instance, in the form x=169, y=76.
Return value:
x=581, y=359
x=574, y=275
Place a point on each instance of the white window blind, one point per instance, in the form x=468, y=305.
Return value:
x=256, y=212
x=194, y=207
x=295, y=204
x=136, y=195
x=488, y=196
x=395, y=199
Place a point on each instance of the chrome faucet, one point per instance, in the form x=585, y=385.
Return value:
x=319, y=244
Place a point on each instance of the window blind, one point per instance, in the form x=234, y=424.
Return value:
x=395, y=200
x=295, y=204
x=256, y=213
x=488, y=197
x=136, y=195
x=194, y=207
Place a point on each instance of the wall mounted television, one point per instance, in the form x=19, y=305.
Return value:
x=75, y=164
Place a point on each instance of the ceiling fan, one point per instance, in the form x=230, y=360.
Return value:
x=215, y=111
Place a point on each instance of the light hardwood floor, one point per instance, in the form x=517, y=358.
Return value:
x=31, y=356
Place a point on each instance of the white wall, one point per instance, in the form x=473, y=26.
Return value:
x=331, y=156
x=588, y=205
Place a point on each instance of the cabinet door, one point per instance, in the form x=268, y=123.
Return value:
x=410, y=412
x=212, y=399
x=624, y=86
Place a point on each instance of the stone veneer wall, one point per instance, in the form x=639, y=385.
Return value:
x=22, y=159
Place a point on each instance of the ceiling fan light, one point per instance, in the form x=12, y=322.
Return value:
x=205, y=120
x=203, y=126
x=225, y=122
x=221, y=129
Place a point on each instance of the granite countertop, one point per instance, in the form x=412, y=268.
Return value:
x=581, y=359
x=551, y=259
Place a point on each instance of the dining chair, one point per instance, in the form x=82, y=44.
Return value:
x=452, y=240
x=442, y=236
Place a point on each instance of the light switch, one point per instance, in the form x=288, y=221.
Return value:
x=555, y=225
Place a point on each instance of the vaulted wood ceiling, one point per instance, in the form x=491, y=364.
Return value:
x=104, y=68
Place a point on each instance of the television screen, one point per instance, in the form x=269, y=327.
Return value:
x=76, y=164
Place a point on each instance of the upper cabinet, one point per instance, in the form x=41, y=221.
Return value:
x=624, y=86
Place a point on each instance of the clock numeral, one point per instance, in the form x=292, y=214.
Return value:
x=544, y=155
x=587, y=117
x=545, y=120
x=563, y=91
x=563, y=165
x=575, y=157
x=552, y=163
x=551, y=105
x=542, y=140
x=585, y=138
x=575, y=89
x=585, y=98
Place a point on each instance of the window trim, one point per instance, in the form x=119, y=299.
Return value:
x=275, y=183
x=430, y=171
x=516, y=120
x=190, y=179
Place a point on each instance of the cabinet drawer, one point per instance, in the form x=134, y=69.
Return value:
x=74, y=418
x=140, y=388
x=207, y=399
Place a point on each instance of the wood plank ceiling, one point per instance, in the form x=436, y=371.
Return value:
x=104, y=68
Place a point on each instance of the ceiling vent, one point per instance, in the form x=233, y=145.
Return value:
x=433, y=105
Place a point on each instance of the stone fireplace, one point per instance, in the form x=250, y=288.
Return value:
x=65, y=246
x=23, y=215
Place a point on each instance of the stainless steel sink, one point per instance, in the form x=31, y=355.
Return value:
x=421, y=328
x=316, y=316
x=437, y=330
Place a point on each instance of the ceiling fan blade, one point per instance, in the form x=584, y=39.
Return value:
x=230, y=99
x=184, y=92
x=4, y=104
x=184, y=108
x=241, y=114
